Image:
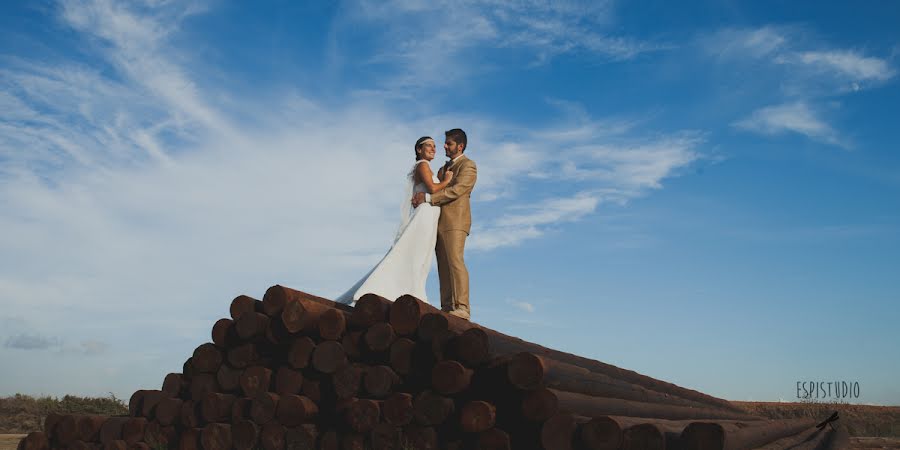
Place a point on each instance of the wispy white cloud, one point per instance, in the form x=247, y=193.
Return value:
x=795, y=117
x=849, y=64
x=32, y=342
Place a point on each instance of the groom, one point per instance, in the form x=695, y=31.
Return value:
x=454, y=224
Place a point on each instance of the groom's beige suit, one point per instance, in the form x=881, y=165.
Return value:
x=454, y=226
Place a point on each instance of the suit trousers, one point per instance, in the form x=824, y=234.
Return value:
x=452, y=272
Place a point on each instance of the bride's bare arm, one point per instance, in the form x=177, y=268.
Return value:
x=423, y=171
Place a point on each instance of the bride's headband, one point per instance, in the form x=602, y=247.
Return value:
x=424, y=140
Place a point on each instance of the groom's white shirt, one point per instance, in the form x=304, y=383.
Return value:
x=427, y=195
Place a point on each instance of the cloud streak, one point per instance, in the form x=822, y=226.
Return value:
x=795, y=117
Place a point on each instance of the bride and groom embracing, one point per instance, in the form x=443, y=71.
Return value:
x=436, y=214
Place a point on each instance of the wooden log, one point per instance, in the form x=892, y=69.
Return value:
x=66, y=431
x=288, y=381
x=168, y=411
x=369, y=310
x=242, y=304
x=229, y=378
x=255, y=380
x=712, y=435
x=300, y=352
x=158, y=436
x=294, y=410
x=216, y=436
x=53, y=419
x=379, y=337
x=202, y=384
x=648, y=436
x=115, y=445
x=36, y=440
x=263, y=407
x=277, y=332
x=351, y=343
x=419, y=437
x=477, y=416
x=272, y=436
x=384, y=436
x=332, y=324
x=406, y=313
x=814, y=441
x=329, y=441
x=363, y=415
x=244, y=435
x=401, y=356
x=133, y=430
x=328, y=356
x=251, y=325
x=493, y=439
x=216, y=407
x=590, y=406
x=838, y=439
x=430, y=408
x=558, y=432
x=89, y=427
x=347, y=380
x=277, y=297
x=528, y=371
x=243, y=355
x=190, y=439
x=135, y=403
x=174, y=385
x=398, y=409
x=379, y=381
x=450, y=377
x=190, y=417
x=112, y=429
x=432, y=324
x=353, y=441
x=136, y=446
x=790, y=442
x=240, y=409
x=303, y=437
x=188, y=368
x=312, y=389
x=80, y=445
x=224, y=333
x=150, y=400
x=207, y=358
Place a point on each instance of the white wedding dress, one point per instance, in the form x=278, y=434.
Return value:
x=405, y=267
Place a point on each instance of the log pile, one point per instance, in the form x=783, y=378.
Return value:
x=295, y=372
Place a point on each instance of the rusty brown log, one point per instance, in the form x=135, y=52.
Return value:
x=477, y=416
x=351, y=343
x=158, y=436
x=493, y=439
x=814, y=441
x=189, y=439
x=363, y=415
x=80, y=445
x=369, y=310
x=384, y=436
x=263, y=407
x=419, y=437
x=328, y=357
x=379, y=337
x=228, y=378
x=450, y=377
x=558, y=432
x=789, y=442
x=303, y=437
x=216, y=407
x=329, y=441
x=406, y=313
x=722, y=436
x=140, y=445
x=150, y=400
x=379, y=381
x=52, y=420
x=312, y=389
x=430, y=408
x=112, y=429
x=88, y=426
x=332, y=324
x=288, y=381
x=66, y=430
x=276, y=297
x=207, y=358
x=589, y=406
x=300, y=352
x=115, y=445
x=255, y=380
x=397, y=409
x=272, y=436
x=251, y=325
x=168, y=410
x=294, y=410
x=648, y=436
x=277, y=332
x=839, y=438
x=190, y=417
x=216, y=436
x=174, y=385
x=36, y=440
x=135, y=403
x=133, y=430
x=401, y=355
x=188, y=368
x=242, y=304
x=240, y=409
x=202, y=384
x=224, y=333
x=353, y=441
x=242, y=356
x=347, y=380
x=244, y=435
x=433, y=323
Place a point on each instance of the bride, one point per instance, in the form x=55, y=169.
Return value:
x=405, y=267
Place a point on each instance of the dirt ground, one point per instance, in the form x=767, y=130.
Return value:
x=10, y=441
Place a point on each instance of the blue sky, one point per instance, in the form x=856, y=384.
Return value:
x=706, y=193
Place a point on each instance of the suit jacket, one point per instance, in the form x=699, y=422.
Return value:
x=454, y=200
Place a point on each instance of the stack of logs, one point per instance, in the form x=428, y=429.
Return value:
x=295, y=372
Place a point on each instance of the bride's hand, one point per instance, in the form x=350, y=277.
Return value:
x=448, y=175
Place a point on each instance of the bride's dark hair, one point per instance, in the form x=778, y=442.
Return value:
x=418, y=143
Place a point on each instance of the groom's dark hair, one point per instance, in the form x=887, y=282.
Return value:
x=457, y=135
